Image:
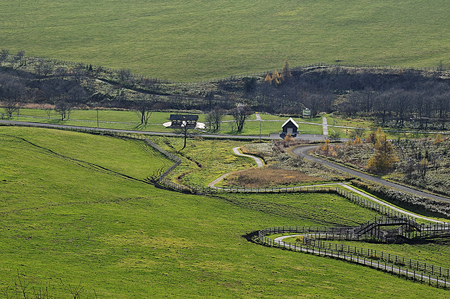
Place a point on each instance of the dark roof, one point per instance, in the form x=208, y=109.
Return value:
x=183, y=117
x=290, y=120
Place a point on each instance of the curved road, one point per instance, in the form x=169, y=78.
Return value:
x=299, y=151
x=303, y=152
x=259, y=163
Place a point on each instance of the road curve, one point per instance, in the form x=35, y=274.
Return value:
x=303, y=152
x=299, y=151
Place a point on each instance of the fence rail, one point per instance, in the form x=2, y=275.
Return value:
x=409, y=268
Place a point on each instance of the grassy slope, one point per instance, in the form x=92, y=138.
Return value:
x=127, y=239
x=198, y=39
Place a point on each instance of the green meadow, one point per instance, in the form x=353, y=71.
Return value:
x=199, y=39
x=77, y=214
x=129, y=120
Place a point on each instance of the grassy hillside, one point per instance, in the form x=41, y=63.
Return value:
x=67, y=225
x=198, y=39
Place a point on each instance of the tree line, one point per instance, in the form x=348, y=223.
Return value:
x=401, y=98
x=398, y=98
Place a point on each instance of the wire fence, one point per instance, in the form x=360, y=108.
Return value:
x=162, y=181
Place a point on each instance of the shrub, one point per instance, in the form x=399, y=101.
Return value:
x=300, y=239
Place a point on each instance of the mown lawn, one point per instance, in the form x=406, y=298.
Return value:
x=198, y=39
x=64, y=225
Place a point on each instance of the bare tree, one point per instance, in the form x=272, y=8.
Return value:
x=11, y=94
x=43, y=68
x=63, y=108
x=79, y=72
x=358, y=132
x=61, y=72
x=383, y=104
x=442, y=108
x=240, y=115
x=11, y=107
x=143, y=108
x=124, y=75
x=20, y=54
x=77, y=95
x=47, y=108
x=68, y=100
x=214, y=118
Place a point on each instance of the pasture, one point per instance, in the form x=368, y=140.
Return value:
x=76, y=214
x=129, y=120
x=198, y=39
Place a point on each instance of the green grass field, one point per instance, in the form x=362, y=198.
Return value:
x=74, y=212
x=129, y=120
x=192, y=40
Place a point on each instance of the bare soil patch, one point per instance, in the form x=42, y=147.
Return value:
x=268, y=177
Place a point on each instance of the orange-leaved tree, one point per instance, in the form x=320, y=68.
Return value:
x=384, y=157
x=326, y=147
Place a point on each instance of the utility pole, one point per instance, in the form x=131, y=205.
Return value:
x=97, y=115
x=260, y=131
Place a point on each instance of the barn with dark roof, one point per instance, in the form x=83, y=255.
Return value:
x=290, y=127
x=178, y=120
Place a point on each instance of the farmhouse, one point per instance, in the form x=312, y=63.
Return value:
x=178, y=120
x=289, y=127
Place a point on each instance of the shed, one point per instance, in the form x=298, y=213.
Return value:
x=181, y=120
x=289, y=127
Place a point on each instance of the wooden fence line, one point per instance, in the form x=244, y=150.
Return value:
x=434, y=275
x=437, y=276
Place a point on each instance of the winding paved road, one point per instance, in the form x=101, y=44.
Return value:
x=303, y=152
x=300, y=151
x=260, y=163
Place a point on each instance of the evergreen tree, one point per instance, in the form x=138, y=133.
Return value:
x=286, y=72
